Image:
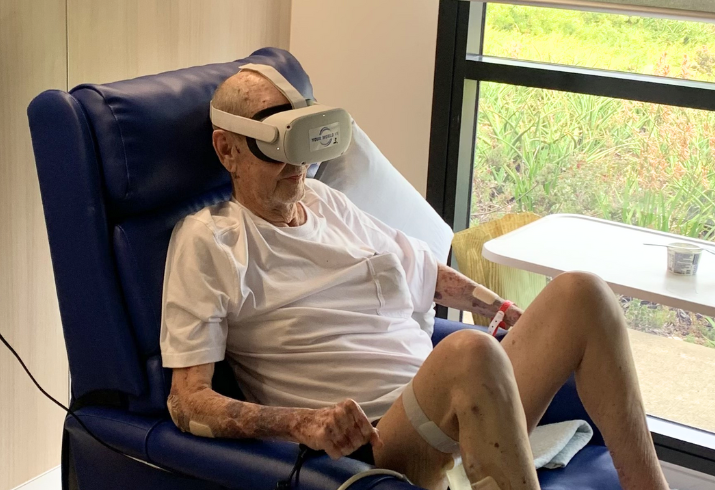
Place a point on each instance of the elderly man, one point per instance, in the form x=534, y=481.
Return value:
x=311, y=302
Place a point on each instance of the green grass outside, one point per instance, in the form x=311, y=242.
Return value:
x=615, y=42
x=552, y=152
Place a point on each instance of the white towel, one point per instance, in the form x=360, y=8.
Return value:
x=553, y=446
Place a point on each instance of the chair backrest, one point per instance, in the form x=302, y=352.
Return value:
x=119, y=164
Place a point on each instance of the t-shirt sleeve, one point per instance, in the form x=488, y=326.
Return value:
x=199, y=279
x=415, y=255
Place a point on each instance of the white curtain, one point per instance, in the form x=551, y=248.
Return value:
x=700, y=10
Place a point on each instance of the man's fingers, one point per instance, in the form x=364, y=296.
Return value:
x=375, y=439
x=345, y=446
x=369, y=433
x=362, y=423
x=333, y=451
x=366, y=429
x=348, y=438
x=329, y=442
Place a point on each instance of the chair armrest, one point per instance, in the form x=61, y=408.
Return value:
x=247, y=463
x=256, y=464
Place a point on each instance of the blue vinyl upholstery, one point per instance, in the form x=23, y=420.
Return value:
x=119, y=164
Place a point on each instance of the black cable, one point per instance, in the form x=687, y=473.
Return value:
x=302, y=457
x=76, y=417
x=66, y=409
x=287, y=484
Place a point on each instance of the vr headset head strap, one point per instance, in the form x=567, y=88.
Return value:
x=242, y=125
x=291, y=93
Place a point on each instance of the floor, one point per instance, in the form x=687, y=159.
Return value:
x=677, y=379
x=680, y=478
x=47, y=481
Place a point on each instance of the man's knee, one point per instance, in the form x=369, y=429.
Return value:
x=580, y=284
x=475, y=355
x=587, y=297
x=481, y=374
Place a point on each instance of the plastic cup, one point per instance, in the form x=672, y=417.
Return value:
x=683, y=258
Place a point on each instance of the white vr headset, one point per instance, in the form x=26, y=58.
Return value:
x=298, y=133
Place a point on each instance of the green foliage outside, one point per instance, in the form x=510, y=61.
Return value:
x=612, y=42
x=643, y=164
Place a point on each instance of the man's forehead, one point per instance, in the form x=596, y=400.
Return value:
x=259, y=92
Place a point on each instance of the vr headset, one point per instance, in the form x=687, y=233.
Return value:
x=298, y=133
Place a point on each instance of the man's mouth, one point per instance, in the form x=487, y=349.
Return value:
x=294, y=177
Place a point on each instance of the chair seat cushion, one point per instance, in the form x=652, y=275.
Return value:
x=591, y=469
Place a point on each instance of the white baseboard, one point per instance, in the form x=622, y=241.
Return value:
x=49, y=480
x=687, y=479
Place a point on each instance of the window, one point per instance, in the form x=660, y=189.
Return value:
x=643, y=45
x=611, y=116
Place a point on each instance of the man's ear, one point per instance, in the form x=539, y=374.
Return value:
x=224, y=147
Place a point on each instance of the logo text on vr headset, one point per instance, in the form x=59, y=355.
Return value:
x=324, y=137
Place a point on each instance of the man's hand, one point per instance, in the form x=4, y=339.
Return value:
x=338, y=430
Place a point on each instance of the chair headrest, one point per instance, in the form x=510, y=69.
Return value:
x=153, y=133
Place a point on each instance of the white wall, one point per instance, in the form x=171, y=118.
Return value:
x=375, y=58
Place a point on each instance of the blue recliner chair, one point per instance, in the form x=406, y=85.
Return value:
x=119, y=164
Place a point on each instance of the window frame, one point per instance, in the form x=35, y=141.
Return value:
x=459, y=69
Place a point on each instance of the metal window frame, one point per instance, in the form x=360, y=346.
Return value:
x=460, y=67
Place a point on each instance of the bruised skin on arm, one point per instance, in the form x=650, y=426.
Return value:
x=455, y=290
x=194, y=407
x=192, y=400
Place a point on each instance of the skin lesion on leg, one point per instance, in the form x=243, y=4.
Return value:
x=475, y=401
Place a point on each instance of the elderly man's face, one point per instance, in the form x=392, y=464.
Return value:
x=258, y=183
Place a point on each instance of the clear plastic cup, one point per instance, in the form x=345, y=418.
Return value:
x=683, y=258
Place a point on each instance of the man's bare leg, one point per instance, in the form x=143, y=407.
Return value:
x=576, y=324
x=467, y=387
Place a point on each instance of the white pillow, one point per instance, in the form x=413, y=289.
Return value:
x=375, y=186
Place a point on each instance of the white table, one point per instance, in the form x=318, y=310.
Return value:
x=615, y=252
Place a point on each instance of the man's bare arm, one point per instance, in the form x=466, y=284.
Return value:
x=196, y=408
x=455, y=290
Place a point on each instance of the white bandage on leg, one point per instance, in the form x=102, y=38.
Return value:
x=430, y=432
x=485, y=295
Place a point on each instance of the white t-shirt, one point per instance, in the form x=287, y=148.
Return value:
x=307, y=316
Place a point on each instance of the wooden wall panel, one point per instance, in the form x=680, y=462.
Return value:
x=50, y=44
x=110, y=41
x=32, y=59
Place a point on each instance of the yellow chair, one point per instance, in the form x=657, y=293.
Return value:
x=517, y=285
